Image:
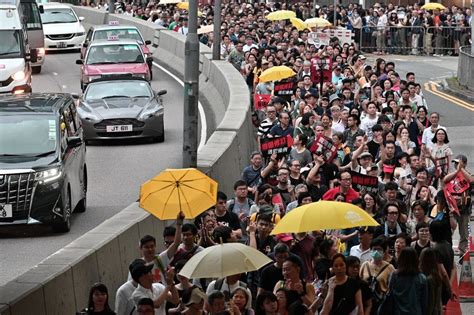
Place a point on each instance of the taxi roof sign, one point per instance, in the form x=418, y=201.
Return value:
x=112, y=37
x=111, y=22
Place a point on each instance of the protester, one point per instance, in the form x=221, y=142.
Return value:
x=98, y=301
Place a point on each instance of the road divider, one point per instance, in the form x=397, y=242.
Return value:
x=60, y=283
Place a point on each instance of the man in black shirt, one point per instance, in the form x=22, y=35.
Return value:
x=225, y=217
x=271, y=274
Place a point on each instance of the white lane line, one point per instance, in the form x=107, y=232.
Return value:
x=202, y=114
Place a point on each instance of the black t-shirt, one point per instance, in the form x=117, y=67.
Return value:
x=295, y=181
x=269, y=277
x=317, y=192
x=329, y=172
x=322, y=268
x=373, y=148
x=445, y=255
x=285, y=195
x=229, y=219
x=344, y=297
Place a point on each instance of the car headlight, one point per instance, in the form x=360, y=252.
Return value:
x=48, y=175
x=93, y=77
x=80, y=34
x=20, y=75
x=148, y=113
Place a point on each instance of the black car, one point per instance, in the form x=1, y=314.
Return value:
x=43, y=173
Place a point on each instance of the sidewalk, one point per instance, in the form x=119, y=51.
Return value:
x=452, y=86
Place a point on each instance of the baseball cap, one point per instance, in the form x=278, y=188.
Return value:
x=365, y=154
x=196, y=296
x=460, y=157
x=283, y=237
x=333, y=97
x=140, y=270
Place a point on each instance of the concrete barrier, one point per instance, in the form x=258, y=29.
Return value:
x=60, y=284
x=465, y=66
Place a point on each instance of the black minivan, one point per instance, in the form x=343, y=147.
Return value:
x=43, y=173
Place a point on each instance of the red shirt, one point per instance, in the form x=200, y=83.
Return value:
x=350, y=195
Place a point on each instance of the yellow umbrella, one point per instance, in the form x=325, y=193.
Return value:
x=323, y=215
x=224, y=260
x=317, y=22
x=281, y=15
x=298, y=23
x=432, y=6
x=174, y=190
x=183, y=5
x=276, y=73
x=205, y=29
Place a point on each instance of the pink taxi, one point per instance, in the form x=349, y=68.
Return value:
x=112, y=57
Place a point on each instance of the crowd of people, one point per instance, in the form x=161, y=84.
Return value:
x=379, y=28
x=355, y=132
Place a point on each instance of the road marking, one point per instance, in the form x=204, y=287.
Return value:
x=456, y=101
x=202, y=114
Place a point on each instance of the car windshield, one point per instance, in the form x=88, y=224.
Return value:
x=127, y=33
x=109, y=54
x=58, y=16
x=10, y=43
x=27, y=134
x=131, y=89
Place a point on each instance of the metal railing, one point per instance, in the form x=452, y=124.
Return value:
x=444, y=40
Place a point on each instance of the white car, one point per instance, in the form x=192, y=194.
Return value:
x=62, y=27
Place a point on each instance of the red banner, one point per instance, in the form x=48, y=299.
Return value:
x=364, y=183
x=317, y=65
x=280, y=145
x=260, y=101
x=453, y=191
x=323, y=145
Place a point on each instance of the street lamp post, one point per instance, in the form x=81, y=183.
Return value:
x=216, y=44
x=191, y=89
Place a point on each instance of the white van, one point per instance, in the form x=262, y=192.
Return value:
x=15, y=68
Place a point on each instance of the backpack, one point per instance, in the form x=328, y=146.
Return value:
x=374, y=285
x=220, y=282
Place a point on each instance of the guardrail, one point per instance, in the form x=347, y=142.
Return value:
x=465, y=66
x=60, y=284
x=416, y=40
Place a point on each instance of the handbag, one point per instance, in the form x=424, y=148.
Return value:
x=388, y=303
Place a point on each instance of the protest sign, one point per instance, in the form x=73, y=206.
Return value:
x=280, y=146
x=362, y=182
x=324, y=145
x=260, y=101
x=284, y=89
x=442, y=166
x=454, y=189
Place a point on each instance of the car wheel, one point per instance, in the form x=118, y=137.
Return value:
x=82, y=205
x=160, y=138
x=63, y=225
x=36, y=70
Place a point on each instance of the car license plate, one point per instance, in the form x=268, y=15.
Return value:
x=62, y=45
x=119, y=128
x=6, y=211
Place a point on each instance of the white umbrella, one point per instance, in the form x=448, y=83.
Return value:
x=224, y=260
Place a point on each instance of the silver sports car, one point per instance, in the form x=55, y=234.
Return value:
x=117, y=108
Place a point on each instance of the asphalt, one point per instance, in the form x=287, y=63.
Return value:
x=115, y=169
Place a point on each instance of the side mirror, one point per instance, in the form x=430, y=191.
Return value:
x=41, y=9
x=148, y=42
x=81, y=19
x=79, y=62
x=162, y=92
x=74, y=142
